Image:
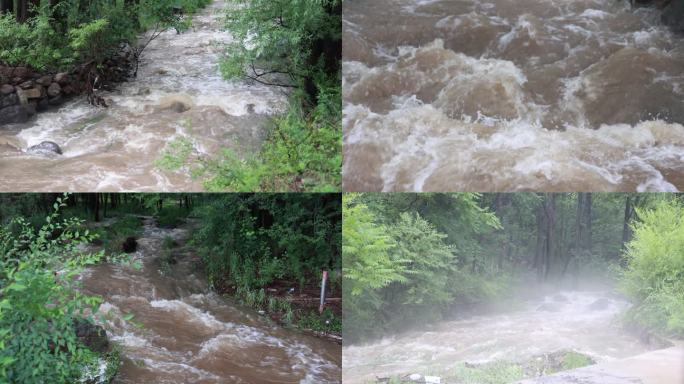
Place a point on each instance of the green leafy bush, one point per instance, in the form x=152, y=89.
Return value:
x=654, y=272
x=40, y=301
x=34, y=43
x=88, y=39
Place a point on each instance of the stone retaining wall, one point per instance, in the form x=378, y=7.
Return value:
x=24, y=92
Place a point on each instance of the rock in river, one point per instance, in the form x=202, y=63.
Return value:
x=45, y=148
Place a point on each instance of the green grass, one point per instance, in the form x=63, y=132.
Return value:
x=305, y=319
x=572, y=360
x=325, y=322
x=499, y=372
x=504, y=372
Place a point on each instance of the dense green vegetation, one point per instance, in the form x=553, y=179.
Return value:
x=412, y=258
x=654, y=273
x=296, y=45
x=250, y=242
x=56, y=35
x=40, y=302
x=254, y=240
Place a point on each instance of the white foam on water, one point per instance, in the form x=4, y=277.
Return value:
x=543, y=102
x=195, y=313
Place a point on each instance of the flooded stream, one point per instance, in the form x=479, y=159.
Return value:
x=506, y=95
x=182, y=333
x=178, y=92
x=569, y=320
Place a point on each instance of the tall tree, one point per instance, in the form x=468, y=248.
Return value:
x=546, y=235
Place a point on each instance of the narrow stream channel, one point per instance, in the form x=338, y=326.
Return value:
x=178, y=92
x=183, y=333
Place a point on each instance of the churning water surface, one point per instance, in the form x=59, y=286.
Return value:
x=508, y=95
x=183, y=333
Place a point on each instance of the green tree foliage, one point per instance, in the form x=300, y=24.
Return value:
x=654, y=274
x=367, y=266
x=402, y=258
x=249, y=241
x=39, y=301
x=285, y=42
x=59, y=34
x=366, y=246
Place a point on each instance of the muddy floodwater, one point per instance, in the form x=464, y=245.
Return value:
x=182, y=333
x=567, y=321
x=178, y=92
x=507, y=95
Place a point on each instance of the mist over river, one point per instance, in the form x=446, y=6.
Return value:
x=508, y=95
x=570, y=320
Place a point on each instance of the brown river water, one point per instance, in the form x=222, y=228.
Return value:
x=509, y=95
x=114, y=149
x=182, y=333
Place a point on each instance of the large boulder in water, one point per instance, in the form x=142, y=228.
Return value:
x=45, y=148
x=599, y=305
x=673, y=16
x=130, y=245
x=92, y=336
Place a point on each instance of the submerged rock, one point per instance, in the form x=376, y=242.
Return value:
x=45, y=148
x=92, y=336
x=130, y=245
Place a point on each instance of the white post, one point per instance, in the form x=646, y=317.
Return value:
x=325, y=278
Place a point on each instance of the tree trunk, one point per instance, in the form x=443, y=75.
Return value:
x=626, y=229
